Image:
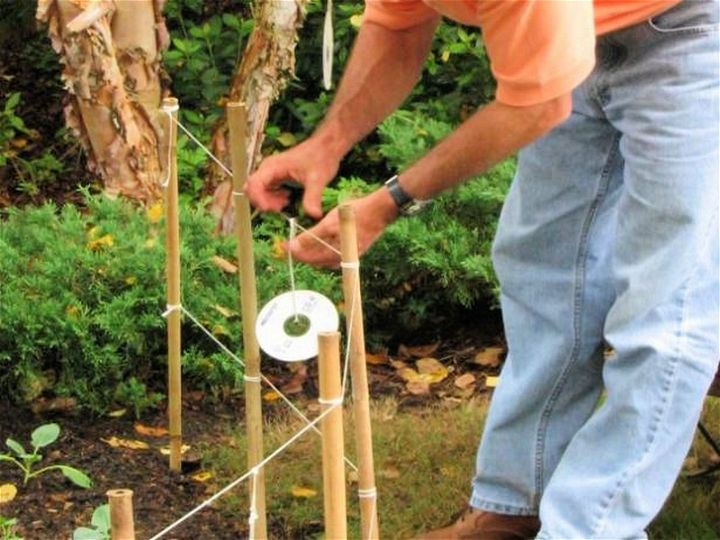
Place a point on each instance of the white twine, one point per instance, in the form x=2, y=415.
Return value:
x=328, y=46
x=170, y=309
x=350, y=265
x=245, y=476
x=204, y=148
x=367, y=493
x=291, y=266
x=264, y=379
x=332, y=403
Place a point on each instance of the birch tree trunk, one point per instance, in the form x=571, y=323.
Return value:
x=266, y=66
x=110, y=51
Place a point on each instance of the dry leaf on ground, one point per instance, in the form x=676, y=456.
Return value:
x=150, y=431
x=389, y=472
x=271, y=395
x=432, y=370
x=202, y=476
x=132, y=444
x=117, y=414
x=303, y=492
x=465, y=381
x=418, y=388
x=165, y=450
x=224, y=264
x=489, y=357
x=418, y=351
x=378, y=358
x=7, y=493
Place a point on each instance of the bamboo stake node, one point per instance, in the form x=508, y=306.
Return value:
x=358, y=369
x=172, y=243
x=333, y=441
x=237, y=122
x=122, y=523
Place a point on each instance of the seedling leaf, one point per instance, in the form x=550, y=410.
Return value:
x=84, y=533
x=45, y=434
x=77, y=477
x=101, y=517
x=16, y=447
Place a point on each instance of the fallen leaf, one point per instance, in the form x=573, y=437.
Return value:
x=271, y=395
x=398, y=364
x=287, y=139
x=491, y=382
x=106, y=240
x=150, y=431
x=295, y=385
x=418, y=351
x=7, y=493
x=431, y=370
x=303, y=492
x=202, y=476
x=132, y=444
x=390, y=472
x=465, y=381
x=408, y=374
x=356, y=20
x=378, y=359
x=418, y=388
x=53, y=404
x=155, y=212
x=489, y=357
x=224, y=264
x=117, y=413
x=278, y=248
x=225, y=312
x=165, y=450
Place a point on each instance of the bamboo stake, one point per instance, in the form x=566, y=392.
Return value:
x=237, y=121
x=122, y=525
x=333, y=441
x=358, y=369
x=172, y=243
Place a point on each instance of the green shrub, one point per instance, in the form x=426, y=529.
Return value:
x=82, y=295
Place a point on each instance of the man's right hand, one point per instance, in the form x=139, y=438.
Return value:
x=309, y=163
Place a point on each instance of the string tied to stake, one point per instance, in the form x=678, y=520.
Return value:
x=170, y=308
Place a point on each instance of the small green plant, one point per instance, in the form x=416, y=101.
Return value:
x=7, y=529
x=41, y=437
x=134, y=393
x=100, y=526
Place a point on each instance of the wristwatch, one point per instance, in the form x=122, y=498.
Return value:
x=407, y=206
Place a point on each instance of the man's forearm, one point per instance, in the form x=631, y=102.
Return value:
x=489, y=136
x=383, y=68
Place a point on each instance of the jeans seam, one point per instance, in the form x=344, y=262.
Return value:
x=580, y=267
x=661, y=411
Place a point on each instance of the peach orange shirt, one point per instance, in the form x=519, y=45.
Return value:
x=538, y=49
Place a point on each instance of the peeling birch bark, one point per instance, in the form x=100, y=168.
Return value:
x=267, y=64
x=110, y=52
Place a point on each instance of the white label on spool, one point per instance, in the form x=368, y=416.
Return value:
x=271, y=329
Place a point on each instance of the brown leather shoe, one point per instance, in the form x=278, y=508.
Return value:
x=479, y=525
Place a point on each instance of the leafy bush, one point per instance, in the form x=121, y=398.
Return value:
x=82, y=296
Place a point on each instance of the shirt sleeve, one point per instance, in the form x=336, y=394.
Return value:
x=538, y=49
x=397, y=14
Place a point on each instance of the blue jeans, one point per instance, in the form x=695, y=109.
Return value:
x=609, y=236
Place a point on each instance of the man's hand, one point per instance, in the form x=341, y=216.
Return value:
x=372, y=214
x=310, y=163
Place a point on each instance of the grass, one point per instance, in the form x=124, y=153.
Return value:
x=424, y=459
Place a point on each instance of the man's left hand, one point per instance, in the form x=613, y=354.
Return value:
x=372, y=214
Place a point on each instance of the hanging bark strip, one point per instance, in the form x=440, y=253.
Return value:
x=110, y=52
x=267, y=65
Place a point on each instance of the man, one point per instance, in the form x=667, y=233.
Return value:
x=609, y=235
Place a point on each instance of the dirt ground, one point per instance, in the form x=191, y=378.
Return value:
x=50, y=507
